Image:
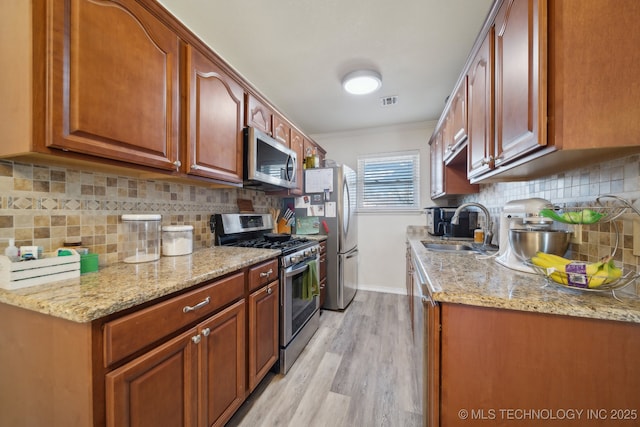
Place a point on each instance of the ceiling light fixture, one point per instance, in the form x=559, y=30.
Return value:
x=362, y=82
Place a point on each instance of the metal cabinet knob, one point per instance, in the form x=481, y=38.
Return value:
x=196, y=339
x=206, y=332
x=177, y=164
x=269, y=291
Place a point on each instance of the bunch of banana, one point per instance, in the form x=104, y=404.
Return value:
x=597, y=273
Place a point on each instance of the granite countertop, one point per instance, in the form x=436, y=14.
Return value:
x=121, y=286
x=467, y=278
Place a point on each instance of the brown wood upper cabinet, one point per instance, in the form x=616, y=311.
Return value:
x=297, y=145
x=548, y=91
x=519, y=128
x=456, y=125
x=257, y=114
x=215, y=113
x=281, y=130
x=102, y=101
x=480, y=109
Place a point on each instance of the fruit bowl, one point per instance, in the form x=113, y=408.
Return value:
x=600, y=276
x=583, y=281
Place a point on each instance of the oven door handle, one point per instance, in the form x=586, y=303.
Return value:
x=292, y=273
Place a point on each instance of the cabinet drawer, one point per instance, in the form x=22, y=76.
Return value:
x=262, y=274
x=128, y=334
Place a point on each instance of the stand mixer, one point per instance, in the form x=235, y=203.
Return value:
x=522, y=214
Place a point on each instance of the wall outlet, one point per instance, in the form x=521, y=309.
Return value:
x=577, y=233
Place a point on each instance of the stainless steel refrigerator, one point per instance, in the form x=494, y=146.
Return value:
x=330, y=196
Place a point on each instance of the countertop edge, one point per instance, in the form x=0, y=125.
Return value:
x=533, y=295
x=96, y=295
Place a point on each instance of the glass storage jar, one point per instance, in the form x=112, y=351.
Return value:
x=141, y=237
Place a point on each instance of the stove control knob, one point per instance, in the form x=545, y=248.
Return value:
x=294, y=259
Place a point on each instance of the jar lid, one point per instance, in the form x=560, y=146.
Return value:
x=177, y=228
x=143, y=217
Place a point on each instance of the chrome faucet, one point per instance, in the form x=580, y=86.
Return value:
x=488, y=230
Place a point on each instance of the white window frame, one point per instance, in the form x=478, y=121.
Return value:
x=414, y=157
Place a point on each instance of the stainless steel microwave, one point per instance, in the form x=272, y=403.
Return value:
x=268, y=163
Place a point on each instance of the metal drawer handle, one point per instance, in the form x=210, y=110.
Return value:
x=197, y=306
x=267, y=274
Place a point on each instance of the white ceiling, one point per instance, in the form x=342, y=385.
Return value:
x=295, y=53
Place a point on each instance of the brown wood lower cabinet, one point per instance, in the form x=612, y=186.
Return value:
x=159, y=388
x=490, y=366
x=264, y=305
x=322, y=272
x=199, y=375
x=188, y=360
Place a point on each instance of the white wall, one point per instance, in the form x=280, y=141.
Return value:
x=381, y=237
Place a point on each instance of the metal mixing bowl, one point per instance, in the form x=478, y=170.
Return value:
x=526, y=243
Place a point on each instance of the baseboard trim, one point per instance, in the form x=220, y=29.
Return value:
x=382, y=289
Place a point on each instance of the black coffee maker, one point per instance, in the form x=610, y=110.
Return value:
x=439, y=222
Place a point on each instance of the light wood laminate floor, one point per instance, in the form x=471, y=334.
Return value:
x=359, y=369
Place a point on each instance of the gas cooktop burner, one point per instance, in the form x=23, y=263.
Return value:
x=268, y=244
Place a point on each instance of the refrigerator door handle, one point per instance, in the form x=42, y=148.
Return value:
x=353, y=253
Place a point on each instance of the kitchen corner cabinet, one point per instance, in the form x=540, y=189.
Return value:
x=488, y=361
x=100, y=100
x=215, y=112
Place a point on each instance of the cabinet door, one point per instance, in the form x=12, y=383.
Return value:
x=431, y=362
x=113, y=83
x=323, y=272
x=437, y=166
x=215, y=114
x=156, y=389
x=263, y=332
x=297, y=145
x=457, y=122
x=258, y=115
x=520, y=100
x=281, y=130
x=222, y=365
x=480, y=116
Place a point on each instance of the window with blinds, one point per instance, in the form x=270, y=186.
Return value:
x=389, y=182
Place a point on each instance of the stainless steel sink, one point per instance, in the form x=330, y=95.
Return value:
x=443, y=247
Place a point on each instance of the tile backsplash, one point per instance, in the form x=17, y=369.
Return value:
x=579, y=188
x=48, y=205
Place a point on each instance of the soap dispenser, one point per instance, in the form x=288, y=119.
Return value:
x=11, y=251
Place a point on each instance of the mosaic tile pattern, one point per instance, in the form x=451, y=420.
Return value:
x=580, y=187
x=48, y=206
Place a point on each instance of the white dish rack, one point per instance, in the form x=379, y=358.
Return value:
x=49, y=268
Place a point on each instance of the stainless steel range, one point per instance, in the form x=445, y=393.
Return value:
x=299, y=316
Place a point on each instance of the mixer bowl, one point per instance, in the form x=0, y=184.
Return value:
x=526, y=243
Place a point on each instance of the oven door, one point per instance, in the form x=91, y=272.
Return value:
x=294, y=310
